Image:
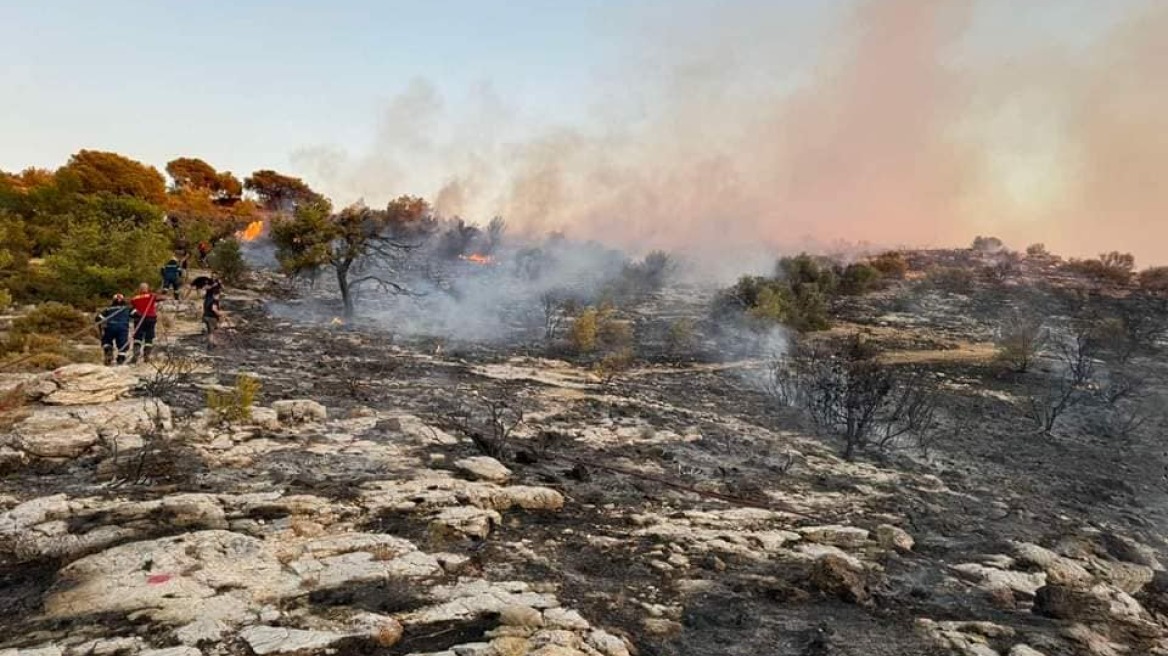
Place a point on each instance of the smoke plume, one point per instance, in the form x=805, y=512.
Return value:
x=902, y=123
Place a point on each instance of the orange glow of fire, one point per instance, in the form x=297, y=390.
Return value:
x=251, y=232
x=478, y=258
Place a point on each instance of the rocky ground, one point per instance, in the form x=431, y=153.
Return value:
x=397, y=498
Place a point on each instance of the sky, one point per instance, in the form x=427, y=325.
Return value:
x=643, y=122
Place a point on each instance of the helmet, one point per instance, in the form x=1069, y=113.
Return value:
x=119, y=299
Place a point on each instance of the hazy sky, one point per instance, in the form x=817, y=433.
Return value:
x=371, y=99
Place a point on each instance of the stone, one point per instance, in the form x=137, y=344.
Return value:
x=517, y=615
x=473, y=649
x=1025, y=583
x=836, y=577
x=607, y=643
x=200, y=631
x=172, y=651
x=838, y=536
x=1059, y=569
x=1128, y=550
x=892, y=537
x=279, y=640
x=662, y=628
x=225, y=576
x=1024, y=650
x=526, y=497
x=89, y=384
x=68, y=432
x=49, y=434
x=265, y=418
x=1071, y=602
x=465, y=521
x=1129, y=577
x=295, y=411
x=44, y=650
x=419, y=431
x=484, y=468
x=559, y=618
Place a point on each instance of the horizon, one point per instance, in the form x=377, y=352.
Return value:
x=891, y=122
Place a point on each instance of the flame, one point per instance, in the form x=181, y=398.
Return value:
x=477, y=258
x=253, y=230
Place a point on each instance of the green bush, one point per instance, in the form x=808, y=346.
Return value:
x=858, y=278
x=585, y=330
x=94, y=263
x=234, y=405
x=764, y=302
x=51, y=318
x=226, y=259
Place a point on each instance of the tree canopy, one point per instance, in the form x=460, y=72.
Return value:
x=278, y=192
x=95, y=171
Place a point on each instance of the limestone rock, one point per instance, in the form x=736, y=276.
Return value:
x=1129, y=577
x=299, y=410
x=172, y=651
x=225, y=576
x=266, y=418
x=54, y=435
x=517, y=615
x=1025, y=583
x=892, y=537
x=89, y=384
x=1024, y=650
x=1059, y=569
x=465, y=520
x=279, y=640
x=1071, y=602
x=838, y=536
x=484, y=468
x=44, y=650
x=419, y=431
x=607, y=644
x=835, y=576
x=559, y=618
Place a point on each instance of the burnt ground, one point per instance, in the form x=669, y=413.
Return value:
x=994, y=481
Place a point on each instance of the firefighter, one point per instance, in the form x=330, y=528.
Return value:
x=204, y=251
x=172, y=276
x=212, y=314
x=114, y=324
x=145, y=315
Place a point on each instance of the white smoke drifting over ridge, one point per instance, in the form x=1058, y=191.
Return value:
x=887, y=130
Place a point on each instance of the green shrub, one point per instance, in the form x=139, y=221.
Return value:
x=93, y=263
x=764, y=302
x=585, y=330
x=804, y=269
x=955, y=280
x=234, y=405
x=858, y=278
x=51, y=318
x=5, y=299
x=682, y=337
x=226, y=259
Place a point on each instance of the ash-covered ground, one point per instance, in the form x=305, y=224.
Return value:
x=414, y=491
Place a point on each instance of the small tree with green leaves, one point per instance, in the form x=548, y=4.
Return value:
x=359, y=244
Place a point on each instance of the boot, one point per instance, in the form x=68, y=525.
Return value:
x=146, y=352
x=107, y=355
x=134, y=353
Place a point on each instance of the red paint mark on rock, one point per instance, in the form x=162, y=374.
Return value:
x=158, y=579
